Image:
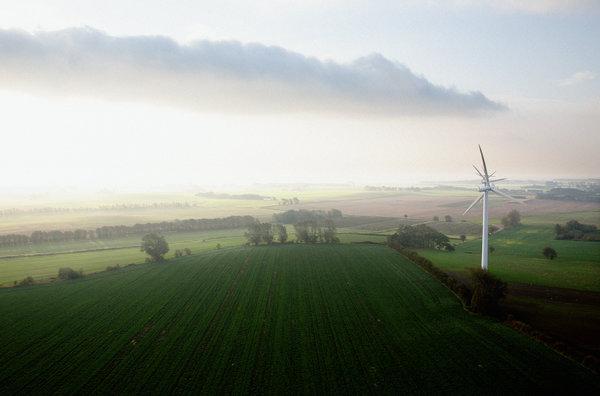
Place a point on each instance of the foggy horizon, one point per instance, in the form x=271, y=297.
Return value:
x=93, y=101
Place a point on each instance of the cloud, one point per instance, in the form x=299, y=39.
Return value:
x=577, y=78
x=531, y=6
x=220, y=76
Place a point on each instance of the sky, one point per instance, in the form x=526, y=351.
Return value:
x=150, y=93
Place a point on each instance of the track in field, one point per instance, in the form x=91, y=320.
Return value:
x=271, y=319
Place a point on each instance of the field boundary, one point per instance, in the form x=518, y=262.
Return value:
x=569, y=351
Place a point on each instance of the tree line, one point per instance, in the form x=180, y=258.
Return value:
x=108, y=232
x=115, y=207
x=574, y=230
x=310, y=226
x=303, y=215
x=420, y=236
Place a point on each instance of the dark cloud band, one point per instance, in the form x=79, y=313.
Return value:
x=225, y=76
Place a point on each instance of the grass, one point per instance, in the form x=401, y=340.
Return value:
x=518, y=258
x=271, y=319
x=42, y=261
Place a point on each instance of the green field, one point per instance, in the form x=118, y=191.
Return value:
x=42, y=261
x=518, y=258
x=270, y=319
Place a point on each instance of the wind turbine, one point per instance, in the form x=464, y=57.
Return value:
x=487, y=186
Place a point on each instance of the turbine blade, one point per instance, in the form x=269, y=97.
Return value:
x=497, y=180
x=473, y=204
x=487, y=178
x=483, y=177
x=493, y=173
x=505, y=195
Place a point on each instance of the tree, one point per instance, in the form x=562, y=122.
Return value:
x=329, y=233
x=463, y=237
x=187, y=251
x=266, y=233
x=308, y=231
x=282, y=235
x=406, y=216
x=254, y=233
x=418, y=236
x=448, y=219
x=155, y=246
x=259, y=232
x=512, y=219
x=178, y=253
x=492, y=249
x=436, y=218
x=549, y=253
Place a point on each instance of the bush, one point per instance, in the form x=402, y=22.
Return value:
x=113, y=268
x=512, y=219
x=188, y=251
x=178, y=253
x=69, y=273
x=549, y=253
x=488, y=292
x=27, y=281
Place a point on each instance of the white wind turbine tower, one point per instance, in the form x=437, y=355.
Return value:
x=486, y=186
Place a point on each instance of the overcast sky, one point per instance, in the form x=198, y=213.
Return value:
x=147, y=93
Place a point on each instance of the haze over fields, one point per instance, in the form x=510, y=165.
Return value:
x=230, y=92
x=268, y=197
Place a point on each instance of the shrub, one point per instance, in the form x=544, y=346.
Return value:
x=512, y=219
x=27, y=281
x=549, y=253
x=69, y=273
x=178, y=253
x=488, y=292
x=218, y=247
x=188, y=251
x=113, y=268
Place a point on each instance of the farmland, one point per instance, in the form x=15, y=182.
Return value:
x=42, y=261
x=518, y=258
x=559, y=297
x=282, y=318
